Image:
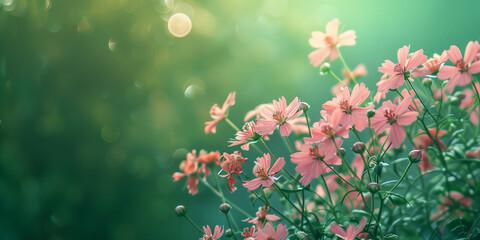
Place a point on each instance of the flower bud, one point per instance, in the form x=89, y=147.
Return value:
x=460, y=96
x=303, y=106
x=427, y=82
x=300, y=235
x=454, y=101
x=415, y=156
x=341, y=152
x=225, y=207
x=358, y=147
x=229, y=233
x=325, y=68
x=373, y=187
x=370, y=113
x=180, y=210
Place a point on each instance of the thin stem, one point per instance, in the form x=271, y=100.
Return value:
x=402, y=177
x=232, y=124
x=268, y=149
x=276, y=210
x=336, y=78
x=230, y=225
x=367, y=167
x=346, y=67
x=289, y=145
x=308, y=122
x=379, y=214
x=345, y=162
x=194, y=224
x=332, y=206
x=340, y=176
x=226, y=200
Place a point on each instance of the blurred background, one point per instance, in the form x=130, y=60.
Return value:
x=101, y=100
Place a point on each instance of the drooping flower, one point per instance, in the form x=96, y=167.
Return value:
x=351, y=233
x=207, y=159
x=265, y=176
x=189, y=169
x=349, y=106
x=262, y=216
x=397, y=73
x=431, y=66
x=392, y=117
x=248, y=233
x=218, y=114
x=328, y=129
x=269, y=233
x=208, y=233
x=328, y=43
x=279, y=116
x=461, y=73
x=232, y=166
x=311, y=161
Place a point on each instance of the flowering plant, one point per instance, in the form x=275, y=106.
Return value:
x=403, y=168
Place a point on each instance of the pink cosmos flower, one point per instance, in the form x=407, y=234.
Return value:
x=280, y=116
x=431, y=66
x=218, y=114
x=328, y=43
x=269, y=233
x=327, y=130
x=208, y=233
x=461, y=73
x=309, y=161
x=351, y=233
x=381, y=94
x=232, y=166
x=265, y=176
x=262, y=216
x=248, y=233
x=359, y=71
x=392, y=117
x=189, y=168
x=469, y=101
x=245, y=137
x=349, y=106
x=397, y=73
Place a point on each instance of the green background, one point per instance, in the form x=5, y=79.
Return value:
x=90, y=136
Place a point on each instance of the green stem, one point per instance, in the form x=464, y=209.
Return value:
x=277, y=211
x=336, y=78
x=308, y=122
x=226, y=200
x=401, y=178
x=289, y=145
x=194, y=224
x=332, y=206
x=366, y=167
x=346, y=67
x=230, y=225
x=232, y=124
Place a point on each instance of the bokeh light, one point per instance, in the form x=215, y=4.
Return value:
x=179, y=25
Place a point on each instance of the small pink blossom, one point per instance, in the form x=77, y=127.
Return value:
x=207, y=159
x=269, y=233
x=397, y=73
x=311, y=161
x=422, y=142
x=328, y=129
x=328, y=43
x=245, y=137
x=431, y=66
x=232, y=166
x=349, y=106
x=262, y=216
x=265, y=176
x=381, y=94
x=359, y=71
x=208, y=233
x=392, y=117
x=218, y=114
x=461, y=73
x=189, y=169
x=279, y=116
x=351, y=233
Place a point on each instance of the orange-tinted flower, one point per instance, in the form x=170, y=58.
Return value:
x=218, y=114
x=431, y=66
x=262, y=216
x=206, y=159
x=189, y=168
x=328, y=43
x=265, y=176
x=232, y=166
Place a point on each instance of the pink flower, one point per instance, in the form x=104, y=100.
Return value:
x=279, y=116
x=327, y=130
x=189, y=168
x=458, y=200
x=248, y=233
x=207, y=159
x=262, y=216
x=351, y=233
x=431, y=66
x=232, y=166
x=269, y=233
x=397, y=73
x=311, y=161
x=245, y=137
x=327, y=43
x=469, y=101
x=392, y=117
x=265, y=176
x=208, y=233
x=359, y=71
x=381, y=94
x=218, y=114
x=255, y=112
x=422, y=142
x=461, y=73
x=349, y=106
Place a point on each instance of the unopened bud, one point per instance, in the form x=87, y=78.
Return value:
x=373, y=187
x=325, y=68
x=454, y=101
x=341, y=152
x=303, y=106
x=358, y=147
x=427, y=82
x=229, y=233
x=415, y=156
x=180, y=210
x=300, y=235
x=370, y=113
x=460, y=96
x=225, y=207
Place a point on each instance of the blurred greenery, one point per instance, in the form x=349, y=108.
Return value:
x=99, y=102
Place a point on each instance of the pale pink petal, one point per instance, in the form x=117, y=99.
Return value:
x=317, y=40
x=318, y=56
x=447, y=72
x=474, y=68
x=416, y=59
x=361, y=225
x=252, y=185
x=337, y=230
x=463, y=79
x=454, y=54
x=272, y=218
x=277, y=166
x=285, y=129
x=471, y=52
x=333, y=54
x=282, y=232
x=397, y=135
x=268, y=229
x=350, y=232
x=332, y=28
x=402, y=55
x=407, y=118
x=292, y=107
x=347, y=38
x=387, y=67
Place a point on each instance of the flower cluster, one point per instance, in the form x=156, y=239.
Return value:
x=321, y=185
